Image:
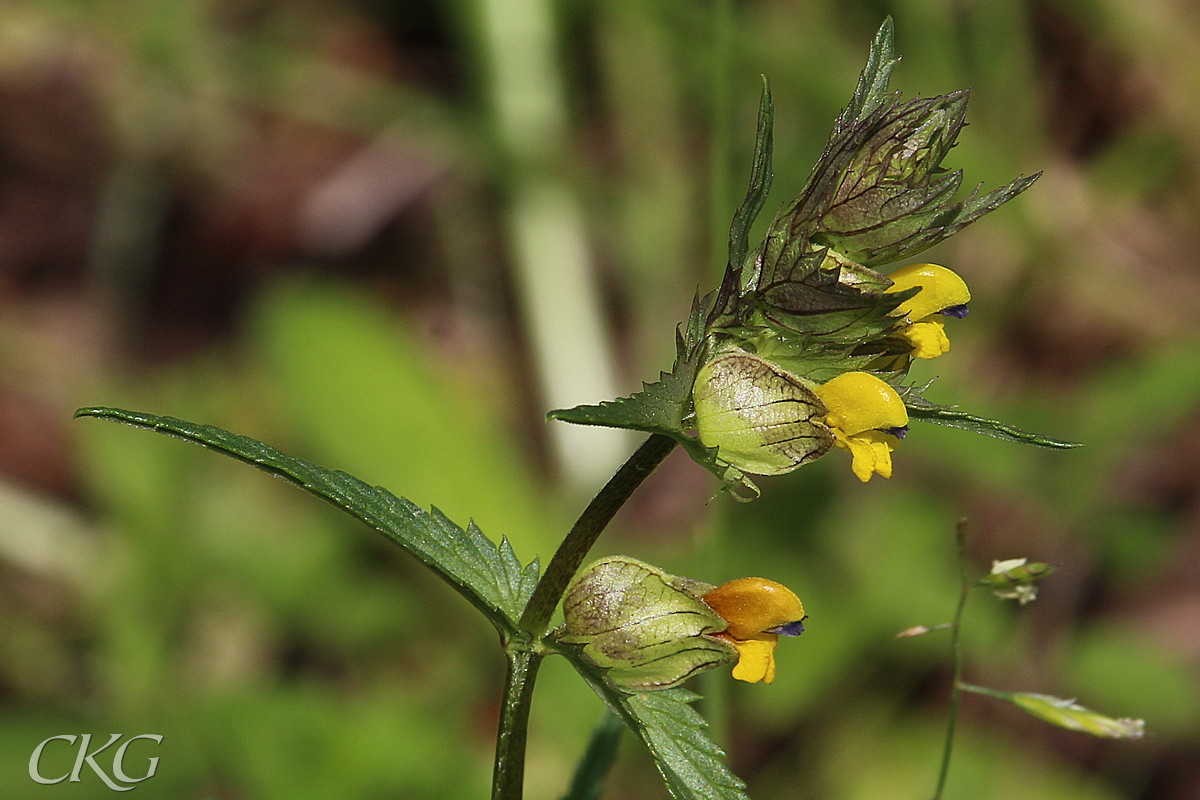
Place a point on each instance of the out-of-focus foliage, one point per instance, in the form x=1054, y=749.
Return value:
x=247, y=213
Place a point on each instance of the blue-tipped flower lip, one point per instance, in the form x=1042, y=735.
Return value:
x=958, y=311
x=789, y=629
x=899, y=432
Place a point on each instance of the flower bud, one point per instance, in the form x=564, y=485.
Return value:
x=888, y=196
x=1014, y=579
x=646, y=629
x=1072, y=716
x=761, y=418
x=649, y=630
x=1065, y=713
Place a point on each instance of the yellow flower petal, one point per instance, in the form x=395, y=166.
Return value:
x=927, y=337
x=859, y=401
x=756, y=658
x=754, y=605
x=941, y=288
x=871, y=453
x=862, y=409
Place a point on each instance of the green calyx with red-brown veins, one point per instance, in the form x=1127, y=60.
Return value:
x=644, y=629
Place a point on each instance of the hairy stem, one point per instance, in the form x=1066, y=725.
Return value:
x=587, y=528
x=508, y=776
x=956, y=660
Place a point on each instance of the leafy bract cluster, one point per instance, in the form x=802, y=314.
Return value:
x=808, y=298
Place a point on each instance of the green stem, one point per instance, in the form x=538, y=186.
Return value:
x=709, y=538
x=956, y=660
x=509, y=772
x=587, y=528
x=508, y=776
x=986, y=692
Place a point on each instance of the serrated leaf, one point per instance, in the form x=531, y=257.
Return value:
x=692, y=765
x=872, y=88
x=488, y=575
x=658, y=408
x=953, y=418
x=664, y=407
x=661, y=406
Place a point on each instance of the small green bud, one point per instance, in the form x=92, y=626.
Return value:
x=645, y=628
x=1014, y=579
x=761, y=418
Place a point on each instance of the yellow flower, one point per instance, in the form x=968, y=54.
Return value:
x=758, y=611
x=867, y=417
x=942, y=293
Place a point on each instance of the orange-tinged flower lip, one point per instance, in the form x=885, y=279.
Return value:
x=754, y=605
x=758, y=611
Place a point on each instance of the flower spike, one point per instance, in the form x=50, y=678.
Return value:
x=754, y=388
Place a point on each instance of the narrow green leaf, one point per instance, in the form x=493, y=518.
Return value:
x=1066, y=713
x=946, y=223
x=490, y=576
x=953, y=418
x=598, y=759
x=975, y=207
x=760, y=182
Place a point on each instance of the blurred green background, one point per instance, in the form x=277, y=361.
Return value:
x=388, y=236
